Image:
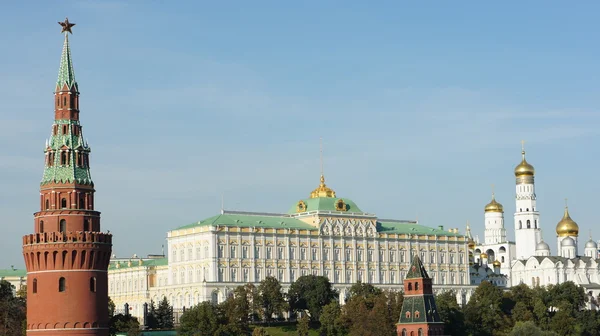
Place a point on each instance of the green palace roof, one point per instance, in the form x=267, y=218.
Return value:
x=324, y=204
x=283, y=221
x=13, y=273
x=136, y=263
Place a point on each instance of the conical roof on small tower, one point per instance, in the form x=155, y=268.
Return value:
x=419, y=311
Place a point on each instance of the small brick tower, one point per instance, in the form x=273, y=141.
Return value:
x=419, y=316
x=67, y=256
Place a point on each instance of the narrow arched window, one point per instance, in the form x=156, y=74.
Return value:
x=63, y=203
x=520, y=225
x=528, y=224
x=63, y=226
x=41, y=226
x=81, y=202
x=86, y=225
x=34, y=285
x=47, y=205
x=404, y=332
x=93, y=284
x=420, y=331
x=64, y=100
x=62, y=284
x=63, y=158
x=416, y=286
x=409, y=286
x=535, y=223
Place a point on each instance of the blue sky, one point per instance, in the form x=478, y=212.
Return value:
x=421, y=107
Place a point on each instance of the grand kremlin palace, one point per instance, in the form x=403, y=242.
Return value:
x=321, y=235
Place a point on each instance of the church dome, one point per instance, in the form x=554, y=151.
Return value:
x=494, y=206
x=483, y=255
x=497, y=263
x=567, y=242
x=542, y=246
x=567, y=227
x=524, y=168
x=591, y=244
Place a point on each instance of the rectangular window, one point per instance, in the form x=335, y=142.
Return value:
x=348, y=255
x=220, y=251
x=314, y=254
x=280, y=253
x=292, y=253
x=392, y=256
x=381, y=255
x=232, y=252
x=336, y=255
x=302, y=254
x=269, y=249
x=432, y=257
x=402, y=256
x=370, y=255
x=257, y=252
x=325, y=255
x=360, y=256
x=244, y=252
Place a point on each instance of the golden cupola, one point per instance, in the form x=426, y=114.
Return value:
x=494, y=206
x=567, y=226
x=322, y=190
x=524, y=168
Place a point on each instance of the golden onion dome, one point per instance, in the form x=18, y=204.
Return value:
x=471, y=244
x=322, y=190
x=483, y=255
x=524, y=168
x=567, y=226
x=494, y=206
x=497, y=263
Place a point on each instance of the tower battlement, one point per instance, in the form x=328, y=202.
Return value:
x=67, y=237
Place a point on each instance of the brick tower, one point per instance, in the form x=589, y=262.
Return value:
x=419, y=316
x=67, y=256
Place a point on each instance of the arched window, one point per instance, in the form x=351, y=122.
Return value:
x=502, y=259
x=63, y=203
x=403, y=332
x=535, y=223
x=409, y=286
x=81, y=202
x=520, y=225
x=62, y=284
x=34, y=285
x=417, y=314
x=527, y=209
x=41, y=226
x=528, y=224
x=47, y=205
x=86, y=225
x=63, y=158
x=93, y=284
x=63, y=226
x=64, y=100
x=407, y=314
x=416, y=286
x=420, y=331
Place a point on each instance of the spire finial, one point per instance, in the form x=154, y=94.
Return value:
x=66, y=26
x=493, y=193
x=523, y=148
x=566, y=203
x=321, y=154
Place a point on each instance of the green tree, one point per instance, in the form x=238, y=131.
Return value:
x=271, y=298
x=312, y=293
x=164, y=315
x=484, y=314
x=111, y=308
x=450, y=313
x=529, y=328
x=303, y=325
x=12, y=311
x=200, y=320
x=363, y=289
x=124, y=323
x=589, y=322
x=151, y=316
x=330, y=320
x=236, y=311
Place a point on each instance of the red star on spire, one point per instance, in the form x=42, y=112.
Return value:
x=66, y=26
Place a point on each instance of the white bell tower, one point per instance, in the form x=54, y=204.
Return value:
x=495, y=232
x=527, y=217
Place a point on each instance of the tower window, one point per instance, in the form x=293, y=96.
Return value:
x=81, y=202
x=34, y=285
x=93, y=284
x=63, y=158
x=527, y=209
x=64, y=100
x=47, y=205
x=528, y=224
x=409, y=286
x=520, y=225
x=416, y=286
x=63, y=226
x=62, y=284
x=63, y=203
x=535, y=223
x=41, y=226
x=86, y=225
